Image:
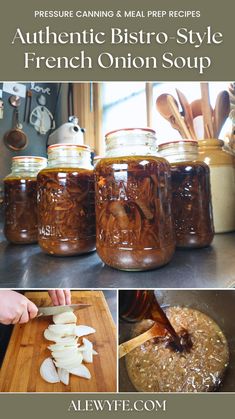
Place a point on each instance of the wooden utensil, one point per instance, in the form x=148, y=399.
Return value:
x=196, y=107
x=165, y=110
x=163, y=107
x=28, y=348
x=221, y=112
x=153, y=332
x=188, y=115
x=178, y=118
x=206, y=111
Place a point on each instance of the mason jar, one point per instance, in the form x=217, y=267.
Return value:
x=134, y=229
x=191, y=195
x=20, y=197
x=66, y=207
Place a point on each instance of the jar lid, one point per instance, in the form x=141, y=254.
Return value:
x=29, y=158
x=130, y=130
x=69, y=146
x=182, y=141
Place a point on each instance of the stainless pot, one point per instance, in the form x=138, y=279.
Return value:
x=219, y=305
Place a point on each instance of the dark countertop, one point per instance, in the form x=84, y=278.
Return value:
x=25, y=266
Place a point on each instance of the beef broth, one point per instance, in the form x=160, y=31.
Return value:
x=156, y=367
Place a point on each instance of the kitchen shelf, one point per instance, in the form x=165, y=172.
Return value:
x=25, y=266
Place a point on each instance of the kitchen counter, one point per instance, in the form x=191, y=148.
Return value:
x=26, y=266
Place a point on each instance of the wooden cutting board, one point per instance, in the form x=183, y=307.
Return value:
x=28, y=348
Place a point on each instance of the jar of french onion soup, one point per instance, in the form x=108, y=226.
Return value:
x=191, y=194
x=134, y=229
x=66, y=207
x=20, y=190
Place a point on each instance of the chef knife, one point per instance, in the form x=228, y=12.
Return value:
x=51, y=311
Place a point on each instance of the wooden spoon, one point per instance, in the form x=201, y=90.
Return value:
x=221, y=112
x=196, y=107
x=154, y=332
x=165, y=110
x=206, y=111
x=188, y=115
x=163, y=107
x=178, y=118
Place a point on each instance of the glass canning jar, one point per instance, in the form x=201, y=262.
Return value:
x=133, y=202
x=20, y=197
x=191, y=194
x=66, y=207
x=137, y=305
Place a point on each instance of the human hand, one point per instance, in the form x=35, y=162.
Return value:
x=16, y=308
x=60, y=297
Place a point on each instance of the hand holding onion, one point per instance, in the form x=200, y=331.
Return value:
x=60, y=297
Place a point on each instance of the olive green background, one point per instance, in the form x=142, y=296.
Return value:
x=186, y=406
x=219, y=15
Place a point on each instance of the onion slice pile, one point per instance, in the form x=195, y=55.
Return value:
x=69, y=350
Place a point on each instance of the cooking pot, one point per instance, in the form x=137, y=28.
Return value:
x=219, y=305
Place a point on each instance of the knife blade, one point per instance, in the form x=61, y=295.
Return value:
x=52, y=310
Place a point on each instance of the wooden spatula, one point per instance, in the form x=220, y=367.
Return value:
x=154, y=332
x=221, y=112
x=188, y=115
x=178, y=118
x=206, y=111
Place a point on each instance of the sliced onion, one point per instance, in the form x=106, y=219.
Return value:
x=48, y=371
x=65, y=340
x=66, y=354
x=65, y=318
x=80, y=371
x=86, y=345
x=87, y=354
x=56, y=338
x=81, y=348
x=49, y=335
x=83, y=330
x=71, y=362
x=63, y=376
x=62, y=329
x=61, y=346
